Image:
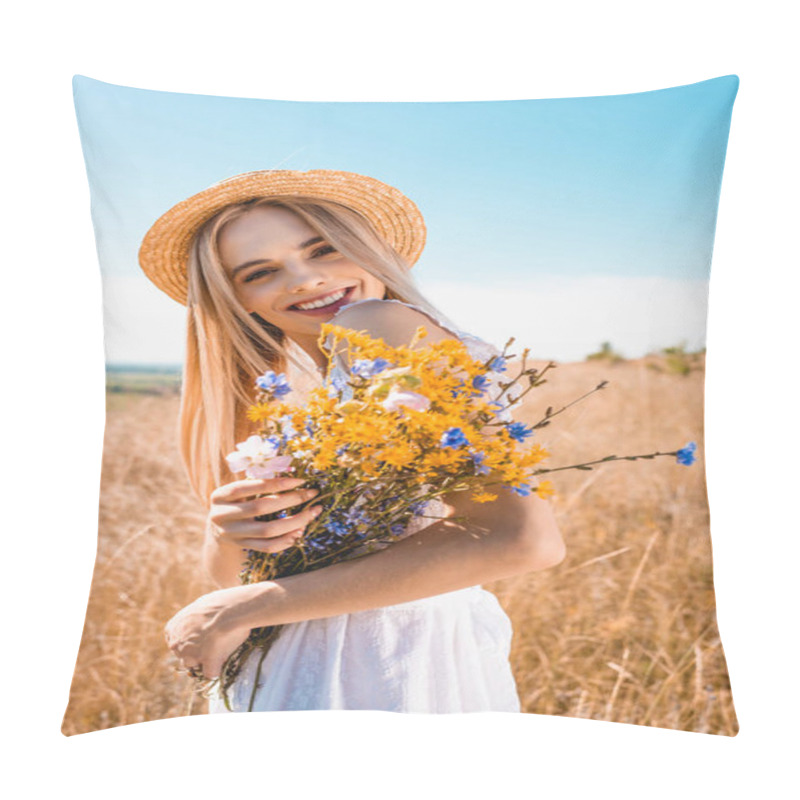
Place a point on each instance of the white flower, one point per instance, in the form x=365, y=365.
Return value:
x=269, y=469
x=396, y=399
x=256, y=457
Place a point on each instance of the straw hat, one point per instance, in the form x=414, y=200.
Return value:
x=164, y=253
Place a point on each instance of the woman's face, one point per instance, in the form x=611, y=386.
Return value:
x=278, y=266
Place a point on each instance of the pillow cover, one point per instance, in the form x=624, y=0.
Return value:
x=583, y=228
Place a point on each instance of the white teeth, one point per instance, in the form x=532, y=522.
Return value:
x=334, y=298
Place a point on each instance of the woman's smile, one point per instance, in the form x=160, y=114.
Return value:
x=324, y=304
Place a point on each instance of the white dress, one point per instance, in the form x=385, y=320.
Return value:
x=442, y=654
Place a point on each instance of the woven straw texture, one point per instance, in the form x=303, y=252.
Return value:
x=164, y=253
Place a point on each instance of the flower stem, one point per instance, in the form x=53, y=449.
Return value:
x=586, y=465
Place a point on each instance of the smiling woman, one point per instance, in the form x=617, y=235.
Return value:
x=262, y=260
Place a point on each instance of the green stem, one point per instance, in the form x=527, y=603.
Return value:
x=548, y=417
x=264, y=652
x=586, y=465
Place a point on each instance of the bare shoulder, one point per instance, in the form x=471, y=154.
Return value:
x=395, y=323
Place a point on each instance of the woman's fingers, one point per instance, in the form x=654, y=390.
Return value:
x=276, y=502
x=280, y=527
x=236, y=506
x=237, y=518
x=199, y=638
x=274, y=545
x=237, y=491
x=251, y=529
x=222, y=513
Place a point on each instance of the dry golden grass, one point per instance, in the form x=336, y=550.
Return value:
x=623, y=630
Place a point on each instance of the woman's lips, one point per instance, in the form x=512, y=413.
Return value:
x=331, y=309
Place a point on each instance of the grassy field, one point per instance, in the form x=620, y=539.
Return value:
x=623, y=630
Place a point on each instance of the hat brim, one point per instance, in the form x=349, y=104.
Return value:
x=164, y=252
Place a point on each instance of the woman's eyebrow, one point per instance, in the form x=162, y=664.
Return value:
x=247, y=264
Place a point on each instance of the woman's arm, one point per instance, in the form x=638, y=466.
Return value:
x=443, y=557
x=222, y=560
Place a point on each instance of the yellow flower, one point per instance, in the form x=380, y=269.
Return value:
x=260, y=412
x=420, y=333
x=398, y=454
x=324, y=460
x=545, y=489
x=484, y=497
x=534, y=455
x=443, y=459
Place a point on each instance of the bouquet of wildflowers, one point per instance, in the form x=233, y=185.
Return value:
x=381, y=441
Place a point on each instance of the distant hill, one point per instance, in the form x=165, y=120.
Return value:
x=158, y=379
x=152, y=368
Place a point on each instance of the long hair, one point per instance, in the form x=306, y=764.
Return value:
x=227, y=348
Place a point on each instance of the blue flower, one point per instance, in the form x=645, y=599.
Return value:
x=397, y=529
x=522, y=491
x=497, y=364
x=518, y=431
x=338, y=384
x=480, y=467
x=318, y=543
x=418, y=507
x=453, y=437
x=356, y=517
x=480, y=382
x=288, y=431
x=337, y=527
x=366, y=368
x=274, y=384
x=338, y=381
x=273, y=441
x=686, y=455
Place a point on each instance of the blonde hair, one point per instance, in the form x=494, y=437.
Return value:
x=226, y=349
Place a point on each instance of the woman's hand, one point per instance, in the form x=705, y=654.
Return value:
x=207, y=631
x=234, y=507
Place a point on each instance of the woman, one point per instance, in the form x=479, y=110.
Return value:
x=262, y=260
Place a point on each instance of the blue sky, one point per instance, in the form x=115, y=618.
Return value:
x=563, y=222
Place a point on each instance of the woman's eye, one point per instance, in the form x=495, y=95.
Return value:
x=257, y=274
x=325, y=250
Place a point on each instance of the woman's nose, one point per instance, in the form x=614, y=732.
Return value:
x=302, y=275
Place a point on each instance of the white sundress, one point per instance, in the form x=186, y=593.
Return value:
x=442, y=654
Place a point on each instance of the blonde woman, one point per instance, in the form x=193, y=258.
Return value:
x=262, y=260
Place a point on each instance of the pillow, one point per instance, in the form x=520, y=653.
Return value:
x=583, y=228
